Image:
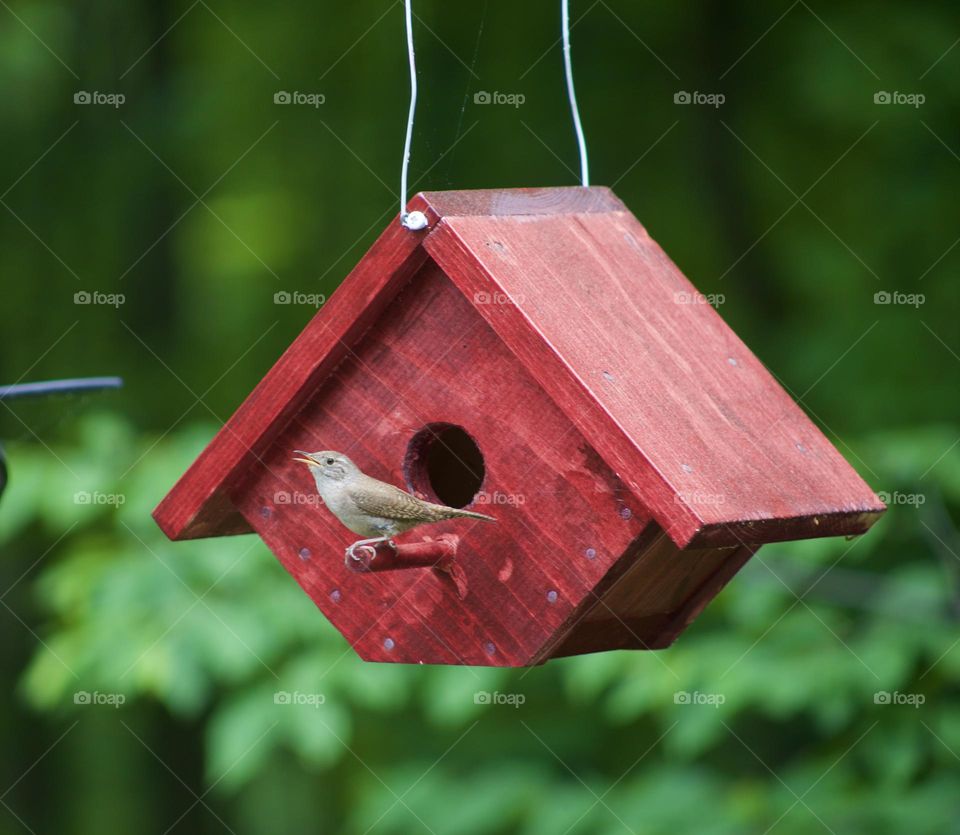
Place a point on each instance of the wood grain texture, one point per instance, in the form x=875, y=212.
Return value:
x=651, y=597
x=518, y=202
x=669, y=396
x=642, y=452
x=439, y=555
x=199, y=505
x=563, y=518
x=664, y=390
x=428, y=553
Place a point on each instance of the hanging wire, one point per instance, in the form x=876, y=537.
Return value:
x=418, y=220
x=411, y=220
x=574, y=110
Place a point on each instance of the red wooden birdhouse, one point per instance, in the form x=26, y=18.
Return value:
x=532, y=354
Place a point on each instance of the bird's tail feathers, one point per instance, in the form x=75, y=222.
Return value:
x=472, y=515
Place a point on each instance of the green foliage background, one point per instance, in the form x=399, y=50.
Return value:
x=199, y=198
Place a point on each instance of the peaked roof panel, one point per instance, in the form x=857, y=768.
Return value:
x=651, y=374
x=690, y=420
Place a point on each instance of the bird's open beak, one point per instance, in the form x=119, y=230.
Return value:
x=309, y=460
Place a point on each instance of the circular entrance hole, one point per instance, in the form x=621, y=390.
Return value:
x=444, y=464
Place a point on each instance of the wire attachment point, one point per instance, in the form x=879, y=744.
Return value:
x=414, y=221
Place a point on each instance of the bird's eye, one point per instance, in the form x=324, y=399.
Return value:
x=329, y=462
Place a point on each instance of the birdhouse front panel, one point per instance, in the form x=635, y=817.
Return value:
x=533, y=355
x=432, y=400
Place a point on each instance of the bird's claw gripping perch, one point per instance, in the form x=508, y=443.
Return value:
x=351, y=554
x=370, y=547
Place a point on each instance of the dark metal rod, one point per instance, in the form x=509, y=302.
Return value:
x=51, y=387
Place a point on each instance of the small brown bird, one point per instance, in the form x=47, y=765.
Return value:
x=369, y=507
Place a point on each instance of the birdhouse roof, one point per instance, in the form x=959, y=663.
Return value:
x=680, y=409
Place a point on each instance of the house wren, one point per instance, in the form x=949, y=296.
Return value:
x=369, y=507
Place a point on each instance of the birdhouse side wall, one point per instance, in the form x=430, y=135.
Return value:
x=659, y=593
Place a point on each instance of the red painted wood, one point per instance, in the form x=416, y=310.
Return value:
x=558, y=340
x=653, y=599
x=668, y=395
x=438, y=554
x=199, y=505
x=665, y=391
x=429, y=553
x=563, y=518
x=519, y=202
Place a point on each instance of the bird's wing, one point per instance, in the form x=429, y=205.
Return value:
x=389, y=502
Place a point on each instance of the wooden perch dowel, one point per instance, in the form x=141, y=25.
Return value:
x=430, y=553
x=439, y=554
